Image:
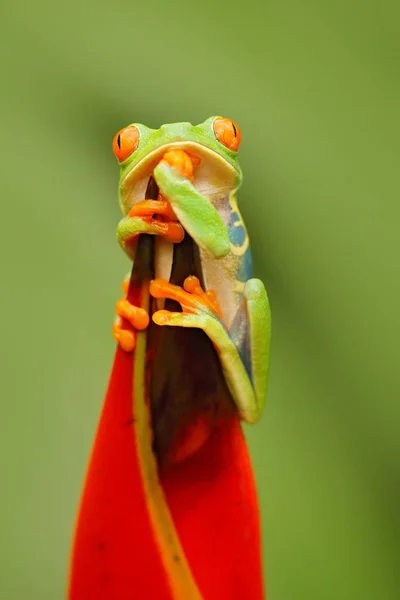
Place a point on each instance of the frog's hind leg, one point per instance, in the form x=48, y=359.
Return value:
x=251, y=334
x=247, y=383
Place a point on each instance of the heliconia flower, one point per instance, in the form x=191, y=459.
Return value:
x=147, y=528
x=169, y=509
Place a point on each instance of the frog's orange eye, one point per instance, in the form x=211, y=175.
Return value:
x=125, y=142
x=227, y=132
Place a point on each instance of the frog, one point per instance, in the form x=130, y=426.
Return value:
x=179, y=184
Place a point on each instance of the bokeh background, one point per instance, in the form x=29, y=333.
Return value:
x=314, y=87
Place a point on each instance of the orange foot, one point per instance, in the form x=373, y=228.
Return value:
x=137, y=317
x=192, y=298
x=182, y=161
x=160, y=216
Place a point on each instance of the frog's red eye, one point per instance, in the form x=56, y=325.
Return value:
x=125, y=142
x=227, y=132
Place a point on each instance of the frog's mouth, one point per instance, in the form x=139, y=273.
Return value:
x=214, y=176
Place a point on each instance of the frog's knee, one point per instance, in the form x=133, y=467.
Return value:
x=254, y=289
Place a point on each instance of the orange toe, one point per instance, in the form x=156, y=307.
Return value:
x=137, y=317
x=191, y=296
x=124, y=337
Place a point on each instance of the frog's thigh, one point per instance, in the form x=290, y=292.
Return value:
x=259, y=332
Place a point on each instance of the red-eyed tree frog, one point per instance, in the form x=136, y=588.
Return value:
x=178, y=184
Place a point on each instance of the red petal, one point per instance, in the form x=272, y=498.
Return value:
x=115, y=554
x=213, y=502
x=124, y=546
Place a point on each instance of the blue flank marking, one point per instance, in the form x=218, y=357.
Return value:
x=237, y=235
x=245, y=266
x=239, y=330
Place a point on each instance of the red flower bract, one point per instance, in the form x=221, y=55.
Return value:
x=191, y=531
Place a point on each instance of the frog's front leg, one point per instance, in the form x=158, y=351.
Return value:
x=247, y=383
x=154, y=217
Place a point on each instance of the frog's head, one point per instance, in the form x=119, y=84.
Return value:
x=215, y=142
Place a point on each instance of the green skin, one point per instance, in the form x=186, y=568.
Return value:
x=243, y=343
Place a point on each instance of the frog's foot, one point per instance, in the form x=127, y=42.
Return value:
x=137, y=317
x=183, y=161
x=155, y=217
x=197, y=305
x=149, y=208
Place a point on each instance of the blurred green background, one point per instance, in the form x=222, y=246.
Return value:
x=314, y=87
